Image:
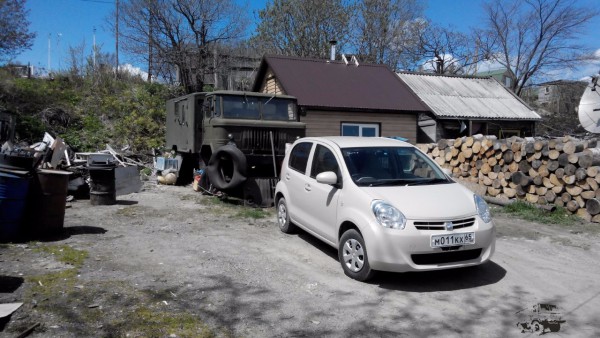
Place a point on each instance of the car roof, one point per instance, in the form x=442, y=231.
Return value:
x=356, y=141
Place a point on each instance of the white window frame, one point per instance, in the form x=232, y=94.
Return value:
x=360, y=127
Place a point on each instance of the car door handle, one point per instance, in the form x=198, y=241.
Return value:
x=307, y=187
x=287, y=177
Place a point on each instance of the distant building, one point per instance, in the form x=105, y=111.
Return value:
x=560, y=96
x=501, y=75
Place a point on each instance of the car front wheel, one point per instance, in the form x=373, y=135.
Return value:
x=283, y=217
x=352, y=254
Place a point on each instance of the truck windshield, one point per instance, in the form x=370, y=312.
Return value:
x=256, y=108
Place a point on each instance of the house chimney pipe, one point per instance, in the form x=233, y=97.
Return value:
x=332, y=43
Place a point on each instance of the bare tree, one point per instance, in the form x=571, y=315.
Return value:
x=445, y=51
x=530, y=37
x=302, y=27
x=15, y=36
x=381, y=29
x=179, y=35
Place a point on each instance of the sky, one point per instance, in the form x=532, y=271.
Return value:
x=63, y=23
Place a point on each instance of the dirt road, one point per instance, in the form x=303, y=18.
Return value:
x=170, y=262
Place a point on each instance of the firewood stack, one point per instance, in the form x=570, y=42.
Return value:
x=563, y=171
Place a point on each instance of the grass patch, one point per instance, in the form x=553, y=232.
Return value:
x=64, y=253
x=147, y=322
x=254, y=213
x=52, y=284
x=530, y=213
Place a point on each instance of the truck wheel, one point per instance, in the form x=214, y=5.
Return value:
x=227, y=168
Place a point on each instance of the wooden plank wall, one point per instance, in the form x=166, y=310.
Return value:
x=328, y=123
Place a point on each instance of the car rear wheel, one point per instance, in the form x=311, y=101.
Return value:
x=352, y=254
x=283, y=217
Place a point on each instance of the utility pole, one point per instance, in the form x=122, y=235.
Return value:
x=58, y=36
x=49, y=50
x=117, y=37
x=94, y=49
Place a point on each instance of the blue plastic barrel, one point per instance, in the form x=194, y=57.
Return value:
x=13, y=195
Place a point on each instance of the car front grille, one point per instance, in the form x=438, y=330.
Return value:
x=259, y=140
x=446, y=257
x=440, y=225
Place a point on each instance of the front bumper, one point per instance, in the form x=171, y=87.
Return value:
x=410, y=249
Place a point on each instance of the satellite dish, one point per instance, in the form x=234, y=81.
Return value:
x=589, y=108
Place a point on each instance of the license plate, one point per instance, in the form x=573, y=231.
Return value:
x=440, y=241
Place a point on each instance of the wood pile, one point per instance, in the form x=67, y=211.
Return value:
x=563, y=171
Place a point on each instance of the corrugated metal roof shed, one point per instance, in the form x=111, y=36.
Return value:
x=467, y=97
x=329, y=84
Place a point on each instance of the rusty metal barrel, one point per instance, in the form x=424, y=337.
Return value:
x=50, y=202
x=102, y=184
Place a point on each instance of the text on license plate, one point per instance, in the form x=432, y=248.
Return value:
x=439, y=241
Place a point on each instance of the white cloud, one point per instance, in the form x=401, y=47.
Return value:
x=131, y=69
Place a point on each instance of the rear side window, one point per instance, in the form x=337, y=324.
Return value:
x=299, y=156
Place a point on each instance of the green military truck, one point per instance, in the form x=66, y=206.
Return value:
x=239, y=138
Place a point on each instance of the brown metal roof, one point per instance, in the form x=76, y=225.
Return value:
x=321, y=83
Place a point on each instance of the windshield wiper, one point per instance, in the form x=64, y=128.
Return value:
x=390, y=182
x=429, y=181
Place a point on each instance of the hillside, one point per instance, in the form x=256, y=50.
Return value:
x=88, y=112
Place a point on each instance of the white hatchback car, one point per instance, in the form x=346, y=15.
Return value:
x=383, y=204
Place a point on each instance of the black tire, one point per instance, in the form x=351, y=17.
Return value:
x=283, y=218
x=226, y=168
x=536, y=326
x=353, y=256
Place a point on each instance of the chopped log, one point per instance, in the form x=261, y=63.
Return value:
x=509, y=192
x=574, y=190
x=558, y=189
x=583, y=213
x=531, y=189
x=435, y=152
x=584, y=161
x=570, y=169
x=517, y=156
x=497, y=183
x=560, y=172
x=552, y=166
x=583, y=185
x=547, y=183
x=492, y=161
x=458, y=142
x=543, y=170
x=524, y=166
x=572, y=147
x=592, y=171
x=493, y=191
x=493, y=175
x=440, y=160
x=485, y=168
x=486, y=181
x=565, y=197
x=572, y=206
x=521, y=179
x=550, y=196
x=454, y=152
x=476, y=147
x=508, y=156
x=588, y=194
x=528, y=148
x=468, y=152
x=469, y=141
x=563, y=159
x=580, y=174
x=593, y=206
x=539, y=145
x=516, y=146
x=541, y=190
x=442, y=144
x=559, y=203
x=537, y=180
x=579, y=201
x=569, y=179
x=592, y=183
x=532, y=198
x=553, y=154
x=520, y=191
x=536, y=164
x=448, y=156
x=497, y=168
x=513, y=167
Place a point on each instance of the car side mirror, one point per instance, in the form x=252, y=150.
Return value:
x=327, y=177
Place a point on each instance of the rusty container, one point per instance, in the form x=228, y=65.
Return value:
x=102, y=184
x=49, y=201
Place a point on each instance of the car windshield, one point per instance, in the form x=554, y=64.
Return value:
x=256, y=108
x=388, y=166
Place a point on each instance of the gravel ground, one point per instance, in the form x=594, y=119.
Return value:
x=169, y=262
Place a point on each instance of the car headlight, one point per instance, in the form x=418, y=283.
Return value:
x=482, y=209
x=388, y=216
